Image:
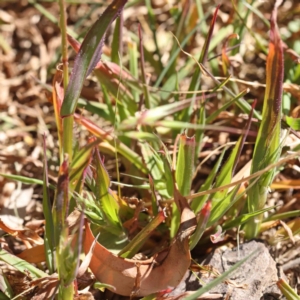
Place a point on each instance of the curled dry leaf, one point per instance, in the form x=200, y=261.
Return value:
x=25, y=234
x=163, y=271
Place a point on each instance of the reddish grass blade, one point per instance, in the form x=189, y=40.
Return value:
x=88, y=56
x=57, y=98
x=203, y=56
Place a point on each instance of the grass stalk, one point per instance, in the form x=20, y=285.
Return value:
x=68, y=121
x=65, y=292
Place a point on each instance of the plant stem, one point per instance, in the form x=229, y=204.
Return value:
x=66, y=292
x=68, y=136
x=68, y=121
x=64, y=42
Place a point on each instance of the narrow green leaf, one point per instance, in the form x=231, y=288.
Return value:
x=111, y=111
x=21, y=265
x=201, y=226
x=285, y=215
x=61, y=201
x=100, y=109
x=155, y=166
x=267, y=147
x=88, y=56
x=24, y=179
x=133, y=66
x=146, y=95
x=184, y=174
x=68, y=254
x=199, y=133
x=179, y=125
x=169, y=181
x=294, y=123
x=176, y=53
x=153, y=196
x=185, y=164
x=240, y=220
x=148, y=117
x=137, y=242
x=216, y=113
x=195, y=82
x=140, y=135
x=115, y=45
x=220, y=207
x=102, y=286
x=125, y=151
x=199, y=201
x=153, y=29
x=5, y=288
x=81, y=161
x=225, y=175
x=107, y=201
x=47, y=210
x=4, y=297
x=287, y=290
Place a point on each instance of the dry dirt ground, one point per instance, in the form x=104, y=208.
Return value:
x=29, y=53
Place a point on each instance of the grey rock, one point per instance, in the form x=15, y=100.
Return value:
x=254, y=280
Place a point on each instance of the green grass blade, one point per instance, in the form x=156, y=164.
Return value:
x=241, y=103
x=137, y=242
x=116, y=42
x=152, y=24
x=199, y=134
x=201, y=226
x=133, y=66
x=286, y=290
x=88, y=56
x=146, y=95
x=195, y=82
x=154, y=200
x=148, y=117
x=225, y=175
x=176, y=53
x=24, y=179
x=185, y=164
x=203, y=56
x=199, y=201
x=61, y=202
x=21, y=265
x=100, y=109
x=6, y=290
x=155, y=166
x=107, y=201
x=125, y=151
x=81, y=161
x=179, y=125
x=183, y=174
x=285, y=215
x=4, y=297
x=267, y=147
x=49, y=226
x=216, y=113
x=240, y=220
x=220, y=207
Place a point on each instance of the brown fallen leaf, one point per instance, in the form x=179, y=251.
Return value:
x=46, y=287
x=163, y=271
x=33, y=255
x=25, y=234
